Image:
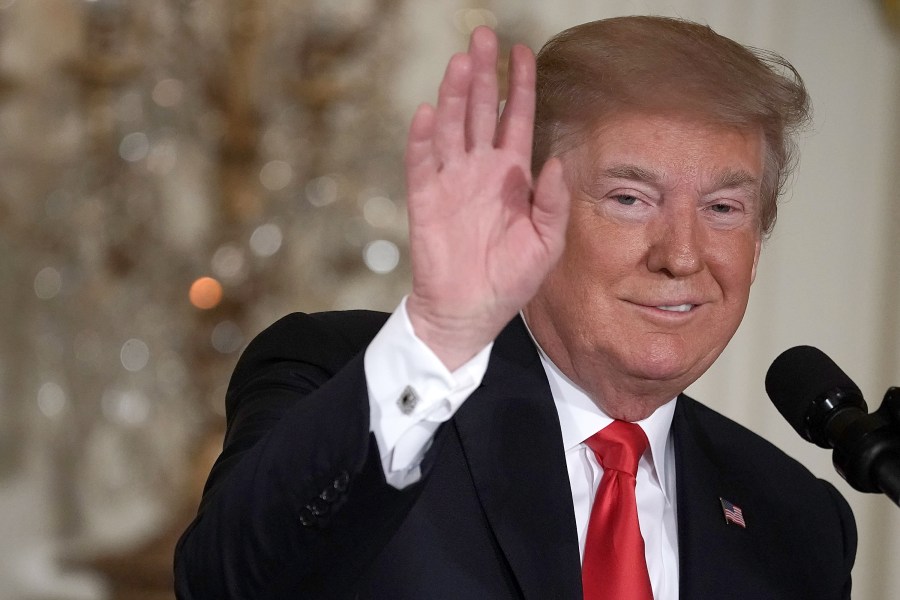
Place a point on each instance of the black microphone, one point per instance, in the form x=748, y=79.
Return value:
x=826, y=408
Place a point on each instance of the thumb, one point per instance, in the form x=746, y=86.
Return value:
x=550, y=207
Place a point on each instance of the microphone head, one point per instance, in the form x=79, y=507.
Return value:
x=799, y=379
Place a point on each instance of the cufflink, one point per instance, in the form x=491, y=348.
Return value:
x=408, y=400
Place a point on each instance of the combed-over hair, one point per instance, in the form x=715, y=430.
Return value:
x=660, y=64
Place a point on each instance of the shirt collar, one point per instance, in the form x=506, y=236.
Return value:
x=580, y=417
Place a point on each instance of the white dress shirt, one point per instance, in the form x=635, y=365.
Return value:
x=398, y=364
x=579, y=419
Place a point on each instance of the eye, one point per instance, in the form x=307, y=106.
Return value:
x=628, y=204
x=728, y=213
x=625, y=199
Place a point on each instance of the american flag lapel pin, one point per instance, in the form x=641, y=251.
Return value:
x=733, y=513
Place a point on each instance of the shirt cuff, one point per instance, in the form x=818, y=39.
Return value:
x=411, y=393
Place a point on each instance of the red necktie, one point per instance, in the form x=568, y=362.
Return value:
x=614, y=566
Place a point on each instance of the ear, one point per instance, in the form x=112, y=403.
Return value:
x=755, y=259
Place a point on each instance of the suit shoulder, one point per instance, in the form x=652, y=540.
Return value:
x=791, y=509
x=349, y=327
x=298, y=332
x=738, y=449
x=326, y=340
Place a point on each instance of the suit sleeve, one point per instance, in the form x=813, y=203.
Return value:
x=400, y=365
x=848, y=529
x=296, y=505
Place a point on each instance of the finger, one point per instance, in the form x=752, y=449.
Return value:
x=450, y=117
x=481, y=123
x=550, y=207
x=419, y=159
x=517, y=121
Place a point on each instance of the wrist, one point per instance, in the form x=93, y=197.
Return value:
x=454, y=339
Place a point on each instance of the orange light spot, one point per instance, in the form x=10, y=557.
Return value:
x=205, y=293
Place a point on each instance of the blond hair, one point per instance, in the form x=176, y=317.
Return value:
x=659, y=64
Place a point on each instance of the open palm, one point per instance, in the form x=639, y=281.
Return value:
x=483, y=236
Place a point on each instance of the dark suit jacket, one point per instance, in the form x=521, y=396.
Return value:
x=297, y=506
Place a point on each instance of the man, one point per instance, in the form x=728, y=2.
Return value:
x=452, y=451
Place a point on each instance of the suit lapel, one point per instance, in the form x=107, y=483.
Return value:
x=510, y=434
x=717, y=559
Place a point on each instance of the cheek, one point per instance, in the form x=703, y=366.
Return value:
x=733, y=264
x=598, y=248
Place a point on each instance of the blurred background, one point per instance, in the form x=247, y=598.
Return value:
x=177, y=174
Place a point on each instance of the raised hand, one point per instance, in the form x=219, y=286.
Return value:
x=483, y=236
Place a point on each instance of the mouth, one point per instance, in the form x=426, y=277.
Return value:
x=672, y=312
x=680, y=308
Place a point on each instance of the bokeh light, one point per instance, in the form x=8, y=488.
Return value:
x=134, y=147
x=276, y=175
x=468, y=19
x=205, y=293
x=51, y=399
x=127, y=407
x=227, y=337
x=266, y=240
x=135, y=354
x=47, y=283
x=381, y=256
x=321, y=191
x=380, y=211
x=229, y=263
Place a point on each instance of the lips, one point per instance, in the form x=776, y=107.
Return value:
x=677, y=308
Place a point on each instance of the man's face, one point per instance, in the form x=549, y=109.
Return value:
x=661, y=249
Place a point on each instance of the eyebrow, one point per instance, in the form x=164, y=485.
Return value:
x=735, y=179
x=727, y=179
x=632, y=172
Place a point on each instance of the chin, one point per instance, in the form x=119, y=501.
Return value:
x=670, y=365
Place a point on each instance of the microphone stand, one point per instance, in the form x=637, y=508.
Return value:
x=867, y=448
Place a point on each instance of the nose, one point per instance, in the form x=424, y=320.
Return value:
x=676, y=245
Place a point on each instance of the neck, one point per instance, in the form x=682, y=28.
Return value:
x=619, y=397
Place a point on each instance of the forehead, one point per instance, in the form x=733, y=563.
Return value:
x=674, y=147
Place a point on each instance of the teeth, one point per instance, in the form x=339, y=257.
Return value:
x=679, y=308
